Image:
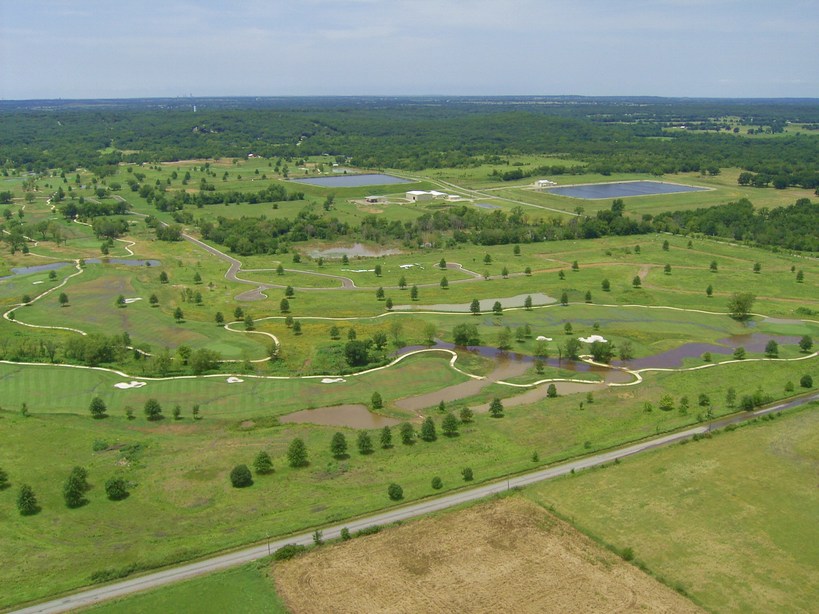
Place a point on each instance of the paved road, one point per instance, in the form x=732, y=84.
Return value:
x=183, y=572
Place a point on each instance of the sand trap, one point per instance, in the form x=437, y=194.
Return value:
x=332, y=380
x=34, y=283
x=234, y=380
x=359, y=270
x=542, y=338
x=128, y=385
x=128, y=301
x=592, y=339
x=409, y=266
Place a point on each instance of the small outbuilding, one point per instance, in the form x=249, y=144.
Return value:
x=419, y=195
x=544, y=183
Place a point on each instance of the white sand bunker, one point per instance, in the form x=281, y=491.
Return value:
x=128, y=301
x=409, y=266
x=34, y=283
x=592, y=339
x=128, y=385
x=542, y=338
x=359, y=270
x=234, y=380
x=332, y=380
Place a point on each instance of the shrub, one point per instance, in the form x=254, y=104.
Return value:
x=263, y=464
x=437, y=483
x=345, y=534
x=806, y=381
x=240, y=476
x=116, y=489
x=466, y=472
x=395, y=492
x=288, y=552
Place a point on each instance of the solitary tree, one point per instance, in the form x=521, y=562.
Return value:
x=606, y=285
x=219, y=318
x=527, y=271
x=505, y=272
x=289, y=292
x=667, y=269
x=740, y=304
x=364, y=443
x=379, y=294
x=385, y=439
x=240, y=476
x=75, y=487
x=806, y=343
x=496, y=408
x=428, y=429
x=800, y=276
x=153, y=410
x=475, y=307
x=376, y=402
x=731, y=397
x=63, y=299
x=116, y=489
x=636, y=282
x=757, y=267
x=437, y=483
x=713, y=266
x=551, y=391
x=527, y=303
x=238, y=313
x=806, y=381
x=709, y=291
x=280, y=270
x=465, y=415
x=575, y=266
x=407, y=433
x=377, y=270
x=442, y=264
x=263, y=464
x=297, y=453
x=120, y=302
x=163, y=277
x=338, y=445
x=665, y=245
x=564, y=298
x=414, y=293
x=467, y=474
x=402, y=282
x=772, y=349
x=97, y=407
x=153, y=300
x=178, y=315
x=395, y=492
x=444, y=283
x=561, y=275
x=27, y=501
x=284, y=306
x=197, y=278
x=449, y=425
x=249, y=324
x=388, y=304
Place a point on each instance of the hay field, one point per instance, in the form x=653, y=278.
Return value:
x=507, y=555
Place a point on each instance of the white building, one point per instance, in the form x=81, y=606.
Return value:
x=419, y=195
x=544, y=183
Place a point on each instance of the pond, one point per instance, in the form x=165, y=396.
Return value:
x=52, y=266
x=622, y=189
x=353, y=181
x=357, y=249
x=354, y=416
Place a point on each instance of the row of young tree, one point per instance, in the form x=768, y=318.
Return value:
x=75, y=489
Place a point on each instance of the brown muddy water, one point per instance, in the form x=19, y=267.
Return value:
x=353, y=416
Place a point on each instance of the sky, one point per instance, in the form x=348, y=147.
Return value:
x=170, y=48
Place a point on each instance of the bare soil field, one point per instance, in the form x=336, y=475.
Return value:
x=503, y=556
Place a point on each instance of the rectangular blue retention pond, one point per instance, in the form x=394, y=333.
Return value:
x=621, y=189
x=353, y=181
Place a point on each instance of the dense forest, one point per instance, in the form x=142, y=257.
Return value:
x=607, y=134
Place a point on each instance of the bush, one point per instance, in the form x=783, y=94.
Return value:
x=437, y=483
x=288, y=552
x=263, y=464
x=627, y=554
x=368, y=531
x=345, y=534
x=395, y=492
x=26, y=501
x=240, y=476
x=806, y=381
x=116, y=489
x=467, y=474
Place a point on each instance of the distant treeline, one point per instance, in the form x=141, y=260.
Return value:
x=608, y=135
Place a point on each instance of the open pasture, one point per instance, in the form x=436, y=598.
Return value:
x=730, y=519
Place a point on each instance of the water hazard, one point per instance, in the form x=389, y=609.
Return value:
x=352, y=416
x=622, y=189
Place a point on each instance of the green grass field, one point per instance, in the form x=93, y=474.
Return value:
x=731, y=519
x=181, y=504
x=245, y=590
